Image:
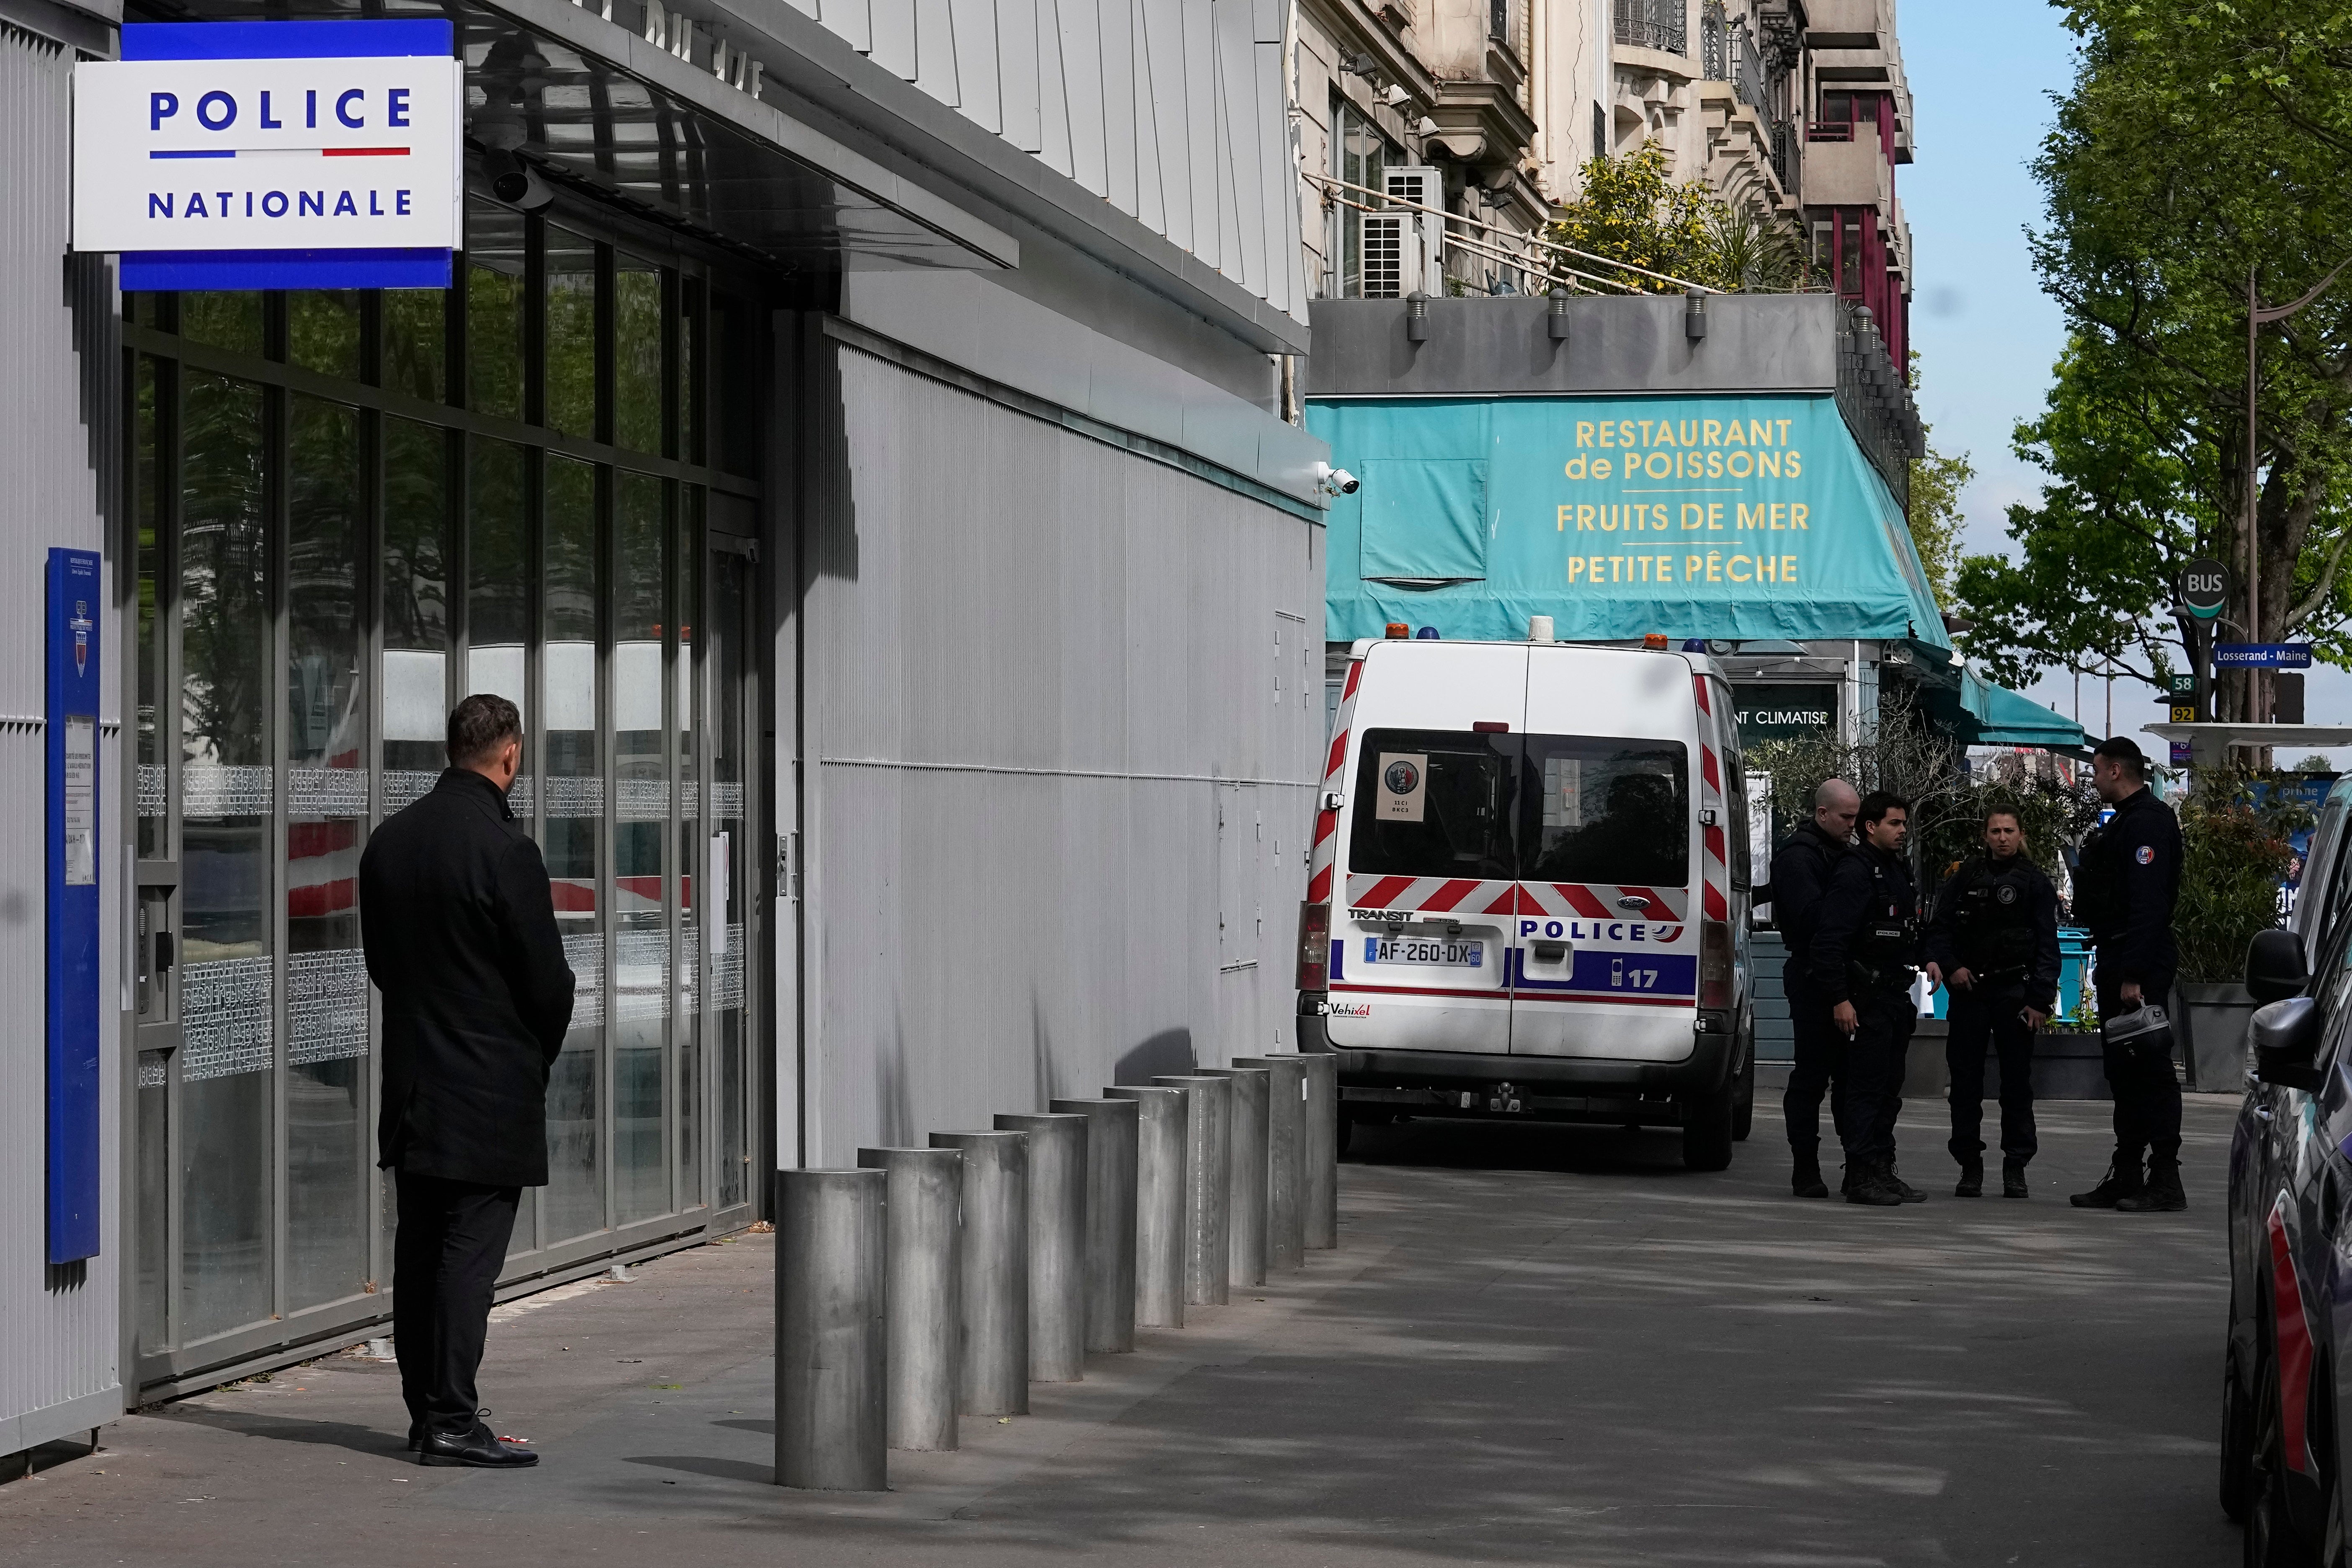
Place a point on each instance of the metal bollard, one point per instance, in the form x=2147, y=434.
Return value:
x=923, y=1226
x=1285, y=1133
x=1208, y=1135
x=1110, y=1220
x=832, y=1430
x=1158, y=1205
x=1319, y=1192
x=1058, y=1243
x=1245, y=1221
x=993, y=1353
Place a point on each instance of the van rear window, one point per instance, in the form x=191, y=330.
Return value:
x=1436, y=803
x=1610, y=812
x=1548, y=808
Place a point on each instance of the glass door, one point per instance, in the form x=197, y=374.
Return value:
x=729, y=924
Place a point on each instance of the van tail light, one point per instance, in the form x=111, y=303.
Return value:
x=1714, y=966
x=1313, y=947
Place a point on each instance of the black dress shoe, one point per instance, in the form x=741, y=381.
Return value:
x=477, y=1449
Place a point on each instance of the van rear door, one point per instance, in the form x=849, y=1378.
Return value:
x=1428, y=866
x=1605, y=950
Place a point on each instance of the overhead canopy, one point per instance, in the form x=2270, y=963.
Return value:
x=2003, y=717
x=1707, y=516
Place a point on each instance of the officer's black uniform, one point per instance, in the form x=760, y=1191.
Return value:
x=1865, y=945
x=2127, y=881
x=1999, y=920
x=1800, y=874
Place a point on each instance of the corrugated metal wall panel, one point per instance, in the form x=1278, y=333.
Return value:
x=60, y=1348
x=1191, y=145
x=1031, y=656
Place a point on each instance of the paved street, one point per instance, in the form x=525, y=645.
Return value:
x=1533, y=1346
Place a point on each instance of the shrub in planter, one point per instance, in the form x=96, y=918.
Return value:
x=2235, y=853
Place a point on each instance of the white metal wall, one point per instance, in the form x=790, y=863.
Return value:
x=59, y=1347
x=1172, y=110
x=1063, y=710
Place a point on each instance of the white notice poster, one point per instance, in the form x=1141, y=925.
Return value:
x=1405, y=785
x=81, y=800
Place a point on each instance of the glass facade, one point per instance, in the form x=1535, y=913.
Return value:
x=350, y=509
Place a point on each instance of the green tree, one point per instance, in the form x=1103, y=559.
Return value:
x=2201, y=147
x=1629, y=209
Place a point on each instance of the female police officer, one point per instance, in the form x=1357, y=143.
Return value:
x=1994, y=941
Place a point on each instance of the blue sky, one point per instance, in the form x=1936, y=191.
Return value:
x=1982, y=77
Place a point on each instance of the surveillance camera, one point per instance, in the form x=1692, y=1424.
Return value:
x=517, y=183
x=1343, y=482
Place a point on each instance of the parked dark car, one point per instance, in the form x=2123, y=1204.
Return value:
x=2288, y=1354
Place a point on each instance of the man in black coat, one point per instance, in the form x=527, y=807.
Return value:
x=1801, y=872
x=2126, y=882
x=1994, y=941
x=460, y=927
x=1865, y=949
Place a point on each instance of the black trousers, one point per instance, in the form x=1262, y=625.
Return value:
x=1875, y=1066
x=446, y=1254
x=1819, y=1068
x=2147, y=1094
x=1982, y=1016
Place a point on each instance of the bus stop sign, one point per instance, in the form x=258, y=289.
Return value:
x=2203, y=586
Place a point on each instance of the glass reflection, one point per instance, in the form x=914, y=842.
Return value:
x=641, y=897
x=149, y=378
x=723, y=1008
x=326, y=741
x=225, y=320
x=638, y=403
x=415, y=609
x=498, y=607
x=322, y=331
x=494, y=310
x=572, y=814
x=226, y=801
x=689, y=832
x=416, y=341
x=570, y=333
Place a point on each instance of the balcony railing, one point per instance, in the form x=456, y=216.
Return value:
x=1786, y=165
x=1830, y=131
x=1659, y=25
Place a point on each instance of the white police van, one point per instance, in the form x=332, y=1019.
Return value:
x=1529, y=891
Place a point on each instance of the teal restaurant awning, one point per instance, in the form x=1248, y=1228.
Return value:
x=2000, y=717
x=1739, y=517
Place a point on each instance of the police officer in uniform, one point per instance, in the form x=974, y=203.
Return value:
x=2127, y=881
x=1865, y=949
x=1800, y=874
x=1994, y=941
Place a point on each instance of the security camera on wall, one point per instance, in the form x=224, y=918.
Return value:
x=516, y=182
x=1338, y=481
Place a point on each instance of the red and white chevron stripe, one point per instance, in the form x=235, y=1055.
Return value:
x=1471, y=895
x=1326, y=853
x=1715, y=873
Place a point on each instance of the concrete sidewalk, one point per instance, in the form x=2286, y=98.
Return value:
x=1534, y=1345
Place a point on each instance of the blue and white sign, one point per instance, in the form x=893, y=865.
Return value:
x=77, y=591
x=273, y=154
x=2262, y=656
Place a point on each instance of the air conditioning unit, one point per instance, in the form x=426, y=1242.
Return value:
x=1392, y=255
x=1426, y=186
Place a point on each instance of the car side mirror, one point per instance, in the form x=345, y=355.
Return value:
x=2274, y=966
x=2287, y=1043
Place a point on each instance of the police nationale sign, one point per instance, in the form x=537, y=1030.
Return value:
x=273, y=154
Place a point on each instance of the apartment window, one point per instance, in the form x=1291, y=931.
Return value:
x=1360, y=155
x=1600, y=131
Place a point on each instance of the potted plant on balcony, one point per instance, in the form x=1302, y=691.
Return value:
x=2235, y=856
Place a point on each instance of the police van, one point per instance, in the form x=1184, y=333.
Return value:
x=1528, y=896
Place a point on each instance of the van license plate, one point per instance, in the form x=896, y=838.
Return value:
x=1424, y=950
